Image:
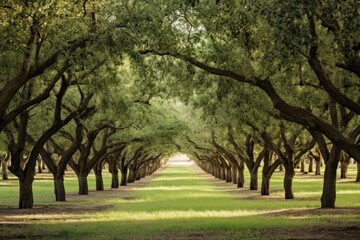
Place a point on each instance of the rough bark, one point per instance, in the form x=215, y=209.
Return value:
x=124, y=174
x=302, y=166
x=241, y=177
x=281, y=168
x=344, y=169
x=99, y=181
x=113, y=169
x=83, y=184
x=328, y=196
x=39, y=167
x=26, y=192
x=254, y=179
x=311, y=163
x=265, y=185
x=234, y=173
x=288, y=179
x=59, y=189
x=4, y=166
x=317, y=167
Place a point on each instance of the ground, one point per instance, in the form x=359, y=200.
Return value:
x=14, y=222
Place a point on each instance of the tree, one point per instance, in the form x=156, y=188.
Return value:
x=223, y=57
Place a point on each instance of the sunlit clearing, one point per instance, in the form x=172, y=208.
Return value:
x=180, y=160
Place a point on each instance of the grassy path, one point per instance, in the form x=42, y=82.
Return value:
x=180, y=202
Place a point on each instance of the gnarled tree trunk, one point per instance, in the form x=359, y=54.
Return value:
x=254, y=179
x=26, y=192
x=124, y=174
x=311, y=163
x=288, y=179
x=302, y=166
x=265, y=185
x=99, y=180
x=234, y=173
x=59, y=189
x=318, y=167
x=114, y=174
x=328, y=196
x=83, y=184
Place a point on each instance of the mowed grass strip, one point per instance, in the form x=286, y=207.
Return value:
x=182, y=202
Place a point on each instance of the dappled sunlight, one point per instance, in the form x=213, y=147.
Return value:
x=175, y=178
x=173, y=188
x=161, y=215
x=348, y=191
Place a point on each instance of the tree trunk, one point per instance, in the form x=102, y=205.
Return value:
x=217, y=172
x=39, y=161
x=288, y=179
x=302, y=166
x=311, y=163
x=234, y=174
x=113, y=169
x=281, y=168
x=328, y=196
x=99, y=180
x=265, y=185
x=222, y=173
x=124, y=174
x=5, y=175
x=254, y=179
x=59, y=189
x=26, y=192
x=358, y=173
x=241, y=178
x=228, y=174
x=138, y=175
x=115, y=179
x=318, y=167
x=83, y=184
x=344, y=167
x=131, y=177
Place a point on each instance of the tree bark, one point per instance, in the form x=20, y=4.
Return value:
x=344, y=168
x=26, y=192
x=328, y=196
x=311, y=163
x=265, y=185
x=288, y=179
x=83, y=184
x=241, y=177
x=5, y=175
x=131, y=177
x=115, y=179
x=318, y=167
x=234, y=173
x=281, y=168
x=39, y=161
x=254, y=179
x=228, y=174
x=114, y=174
x=302, y=166
x=124, y=174
x=59, y=189
x=99, y=180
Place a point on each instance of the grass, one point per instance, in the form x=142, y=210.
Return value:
x=180, y=202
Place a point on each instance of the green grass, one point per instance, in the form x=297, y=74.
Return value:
x=179, y=202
